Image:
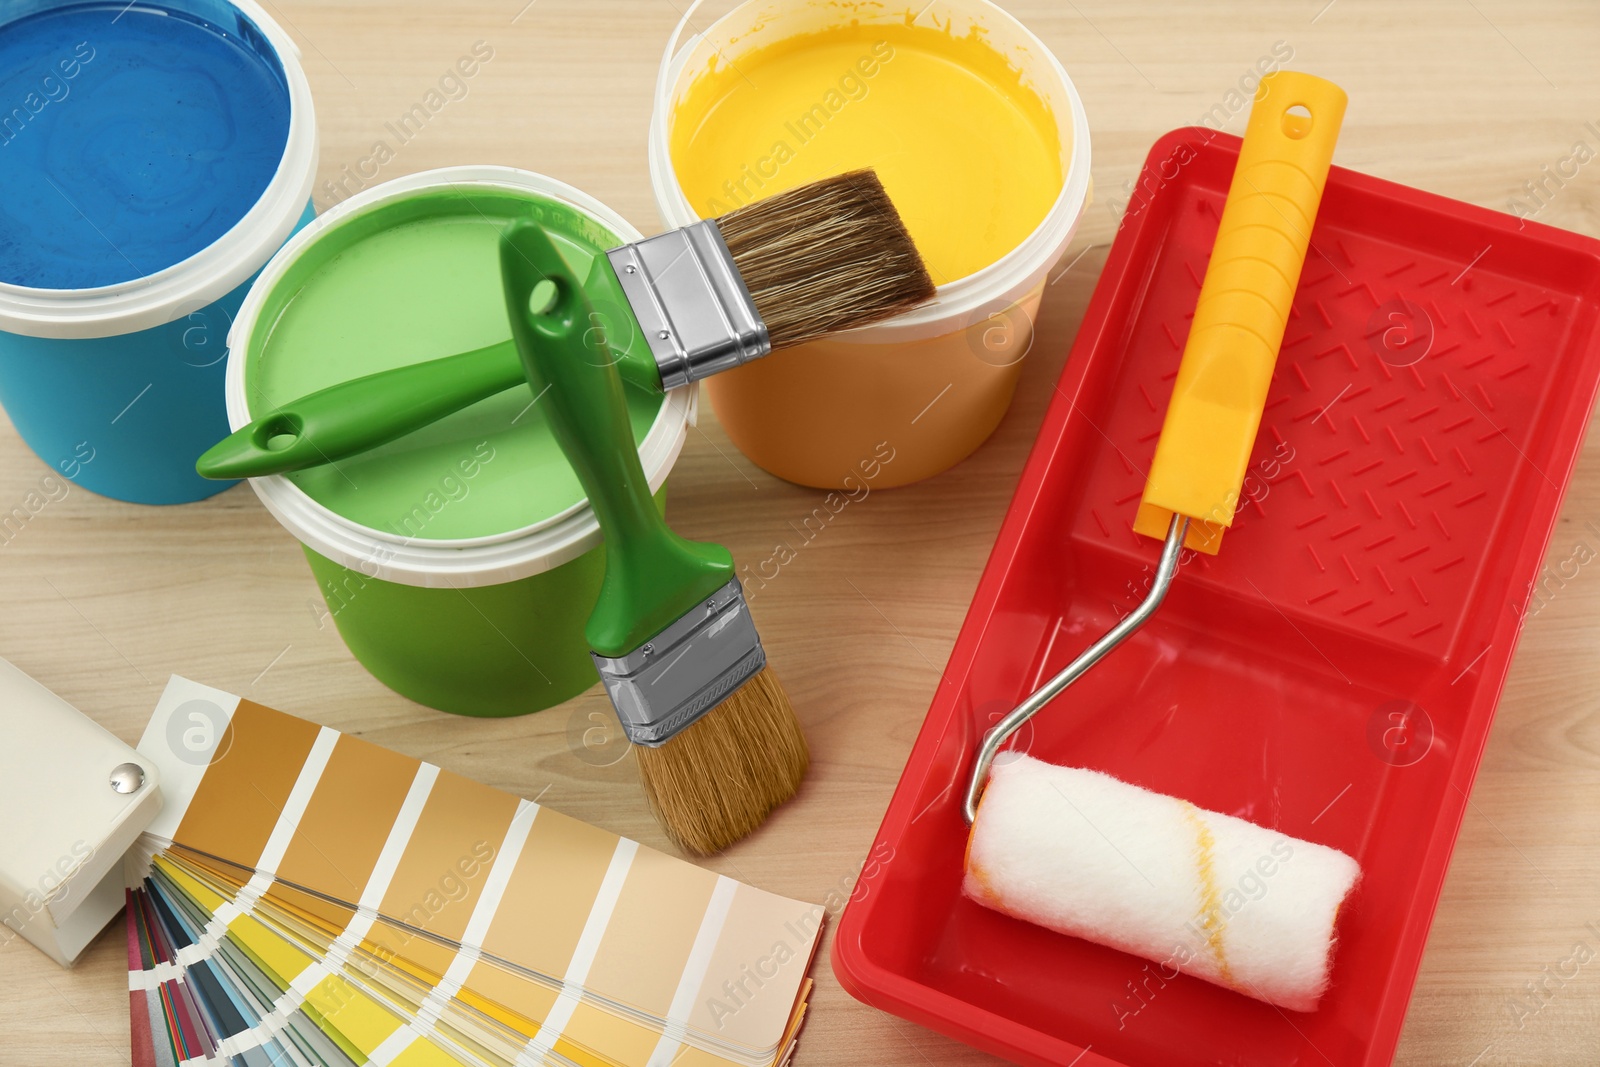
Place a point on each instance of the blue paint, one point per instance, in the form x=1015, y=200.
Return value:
x=130, y=137
x=125, y=416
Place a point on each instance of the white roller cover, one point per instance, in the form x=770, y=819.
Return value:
x=1084, y=854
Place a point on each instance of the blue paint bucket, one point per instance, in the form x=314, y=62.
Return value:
x=153, y=157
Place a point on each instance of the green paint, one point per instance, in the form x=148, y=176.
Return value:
x=414, y=280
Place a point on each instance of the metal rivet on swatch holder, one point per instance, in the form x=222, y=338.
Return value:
x=127, y=778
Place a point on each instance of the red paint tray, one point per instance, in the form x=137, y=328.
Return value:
x=1332, y=673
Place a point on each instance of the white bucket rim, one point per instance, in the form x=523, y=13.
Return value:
x=957, y=304
x=214, y=271
x=463, y=563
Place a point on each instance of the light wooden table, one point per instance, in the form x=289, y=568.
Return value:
x=1469, y=98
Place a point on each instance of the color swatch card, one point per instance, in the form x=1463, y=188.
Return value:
x=307, y=897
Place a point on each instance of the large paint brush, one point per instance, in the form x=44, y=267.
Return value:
x=671, y=634
x=677, y=307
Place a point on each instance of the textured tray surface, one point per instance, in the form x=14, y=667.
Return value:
x=1402, y=404
x=1332, y=673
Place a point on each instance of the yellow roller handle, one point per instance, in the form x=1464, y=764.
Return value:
x=1211, y=422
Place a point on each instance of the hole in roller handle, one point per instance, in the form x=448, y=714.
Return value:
x=1297, y=121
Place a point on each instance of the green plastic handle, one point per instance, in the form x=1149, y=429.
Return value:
x=653, y=577
x=363, y=413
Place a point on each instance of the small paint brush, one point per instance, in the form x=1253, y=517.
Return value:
x=675, y=308
x=671, y=634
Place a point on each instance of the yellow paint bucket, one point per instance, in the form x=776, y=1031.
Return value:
x=981, y=140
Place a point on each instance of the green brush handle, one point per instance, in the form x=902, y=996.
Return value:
x=359, y=415
x=653, y=577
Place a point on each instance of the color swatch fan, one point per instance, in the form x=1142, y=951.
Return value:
x=310, y=898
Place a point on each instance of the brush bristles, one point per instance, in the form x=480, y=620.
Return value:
x=719, y=779
x=825, y=257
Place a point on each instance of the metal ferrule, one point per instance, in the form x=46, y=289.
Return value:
x=691, y=303
x=685, y=670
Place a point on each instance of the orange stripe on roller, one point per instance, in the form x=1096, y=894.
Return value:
x=1211, y=913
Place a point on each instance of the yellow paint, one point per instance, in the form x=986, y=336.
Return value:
x=971, y=157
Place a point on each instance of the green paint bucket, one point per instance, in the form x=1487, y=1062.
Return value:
x=461, y=561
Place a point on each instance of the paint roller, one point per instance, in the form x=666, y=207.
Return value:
x=1085, y=854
